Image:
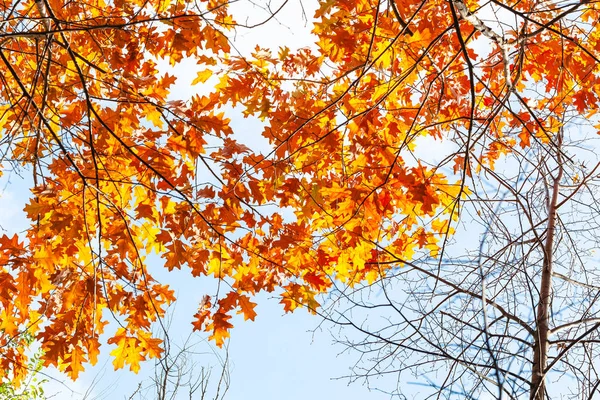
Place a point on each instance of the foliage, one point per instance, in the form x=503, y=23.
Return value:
x=121, y=171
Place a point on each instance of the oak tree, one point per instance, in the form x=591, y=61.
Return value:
x=121, y=171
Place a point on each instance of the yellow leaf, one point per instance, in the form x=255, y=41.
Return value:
x=343, y=267
x=150, y=345
x=154, y=116
x=202, y=76
x=127, y=351
x=214, y=267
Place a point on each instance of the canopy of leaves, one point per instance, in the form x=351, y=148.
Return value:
x=121, y=172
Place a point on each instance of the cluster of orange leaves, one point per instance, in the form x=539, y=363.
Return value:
x=118, y=167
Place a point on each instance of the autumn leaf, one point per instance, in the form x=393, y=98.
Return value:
x=155, y=117
x=202, y=76
x=75, y=360
x=247, y=308
x=316, y=281
x=220, y=327
x=126, y=352
x=35, y=209
x=525, y=137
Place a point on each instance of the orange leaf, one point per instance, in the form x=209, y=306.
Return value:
x=247, y=308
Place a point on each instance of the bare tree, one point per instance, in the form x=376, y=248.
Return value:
x=186, y=371
x=510, y=307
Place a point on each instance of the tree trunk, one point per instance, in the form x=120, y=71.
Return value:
x=540, y=348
